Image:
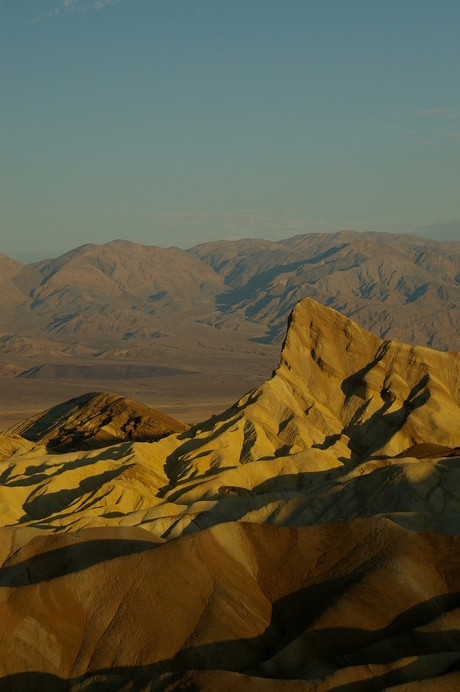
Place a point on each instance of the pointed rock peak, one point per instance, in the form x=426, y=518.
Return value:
x=337, y=344
x=342, y=382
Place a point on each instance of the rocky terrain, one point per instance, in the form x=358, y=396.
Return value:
x=304, y=539
x=96, y=420
x=239, y=606
x=393, y=285
x=397, y=286
x=217, y=311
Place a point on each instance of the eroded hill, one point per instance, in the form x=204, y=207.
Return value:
x=240, y=606
x=96, y=420
x=305, y=539
x=323, y=439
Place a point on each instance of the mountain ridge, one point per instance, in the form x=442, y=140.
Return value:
x=248, y=285
x=306, y=539
x=341, y=411
x=218, y=310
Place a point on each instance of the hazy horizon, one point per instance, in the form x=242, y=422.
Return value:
x=173, y=123
x=448, y=233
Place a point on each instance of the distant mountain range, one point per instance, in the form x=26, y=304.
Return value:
x=397, y=286
x=222, y=303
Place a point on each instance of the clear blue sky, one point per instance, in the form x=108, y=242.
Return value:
x=177, y=121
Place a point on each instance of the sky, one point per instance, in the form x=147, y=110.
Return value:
x=174, y=122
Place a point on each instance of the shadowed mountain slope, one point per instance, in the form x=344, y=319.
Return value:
x=397, y=286
x=314, y=608
x=96, y=420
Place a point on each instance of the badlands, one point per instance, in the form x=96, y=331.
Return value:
x=307, y=539
x=190, y=331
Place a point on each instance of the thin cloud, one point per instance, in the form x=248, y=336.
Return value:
x=188, y=229
x=443, y=112
x=193, y=228
x=443, y=133
x=435, y=111
x=99, y=4
x=77, y=6
x=95, y=5
x=444, y=229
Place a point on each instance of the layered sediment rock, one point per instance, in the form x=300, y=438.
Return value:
x=305, y=539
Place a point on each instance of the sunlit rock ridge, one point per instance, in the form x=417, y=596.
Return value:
x=342, y=403
x=305, y=539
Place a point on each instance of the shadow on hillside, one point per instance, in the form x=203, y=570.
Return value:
x=146, y=679
x=45, y=505
x=321, y=496
x=67, y=559
x=383, y=424
x=230, y=299
x=272, y=335
x=235, y=502
x=35, y=474
x=319, y=654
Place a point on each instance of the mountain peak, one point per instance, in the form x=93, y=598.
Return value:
x=359, y=390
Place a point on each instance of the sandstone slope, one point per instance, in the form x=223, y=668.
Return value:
x=306, y=539
x=324, y=439
x=311, y=609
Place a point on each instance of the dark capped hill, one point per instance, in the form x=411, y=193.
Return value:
x=96, y=420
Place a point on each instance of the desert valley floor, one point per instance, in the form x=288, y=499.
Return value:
x=307, y=538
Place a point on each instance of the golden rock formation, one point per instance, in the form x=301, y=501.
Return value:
x=305, y=539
